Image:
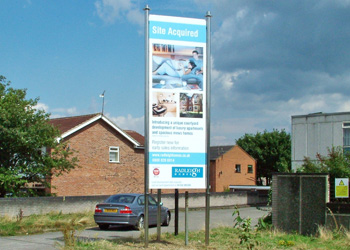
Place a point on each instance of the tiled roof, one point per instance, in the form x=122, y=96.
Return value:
x=66, y=123
x=217, y=151
x=138, y=137
x=69, y=124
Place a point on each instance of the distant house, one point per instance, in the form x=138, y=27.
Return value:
x=231, y=166
x=111, y=160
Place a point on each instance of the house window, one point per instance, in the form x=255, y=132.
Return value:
x=238, y=168
x=250, y=169
x=113, y=154
x=346, y=137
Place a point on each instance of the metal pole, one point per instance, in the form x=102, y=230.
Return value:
x=103, y=100
x=176, y=211
x=146, y=194
x=159, y=214
x=208, y=85
x=186, y=218
x=103, y=103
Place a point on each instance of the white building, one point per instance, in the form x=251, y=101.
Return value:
x=315, y=133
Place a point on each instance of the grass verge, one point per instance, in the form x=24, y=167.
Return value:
x=238, y=237
x=224, y=238
x=35, y=224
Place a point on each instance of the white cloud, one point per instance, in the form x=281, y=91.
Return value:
x=111, y=10
x=41, y=106
x=62, y=112
x=226, y=79
x=129, y=122
x=227, y=130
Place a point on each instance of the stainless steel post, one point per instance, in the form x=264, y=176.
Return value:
x=208, y=85
x=176, y=221
x=186, y=218
x=159, y=214
x=146, y=212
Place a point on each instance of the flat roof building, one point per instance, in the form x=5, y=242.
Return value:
x=316, y=133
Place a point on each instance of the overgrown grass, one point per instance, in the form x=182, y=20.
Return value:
x=220, y=238
x=225, y=238
x=35, y=224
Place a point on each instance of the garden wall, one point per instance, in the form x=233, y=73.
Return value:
x=71, y=204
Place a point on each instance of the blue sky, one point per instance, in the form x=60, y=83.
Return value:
x=271, y=59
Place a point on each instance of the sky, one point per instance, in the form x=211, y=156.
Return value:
x=270, y=59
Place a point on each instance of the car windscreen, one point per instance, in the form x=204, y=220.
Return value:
x=121, y=199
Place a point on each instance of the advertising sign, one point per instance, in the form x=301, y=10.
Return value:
x=341, y=188
x=177, y=107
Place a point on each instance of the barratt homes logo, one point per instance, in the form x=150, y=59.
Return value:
x=187, y=172
x=156, y=171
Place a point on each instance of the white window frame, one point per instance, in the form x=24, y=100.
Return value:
x=346, y=125
x=114, y=149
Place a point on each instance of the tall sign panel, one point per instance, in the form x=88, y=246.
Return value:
x=177, y=150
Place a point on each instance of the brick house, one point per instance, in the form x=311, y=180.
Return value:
x=111, y=160
x=231, y=165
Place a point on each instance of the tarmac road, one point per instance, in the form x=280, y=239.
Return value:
x=218, y=217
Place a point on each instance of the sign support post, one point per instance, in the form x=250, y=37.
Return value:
x=208, y=81
x=146, y=212
x=177, y=120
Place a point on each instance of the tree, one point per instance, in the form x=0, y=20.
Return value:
x=29, y=151
x=336, y=164
x=271, y=150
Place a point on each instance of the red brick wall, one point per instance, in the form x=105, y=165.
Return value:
x=223, y=174
x=96, y=176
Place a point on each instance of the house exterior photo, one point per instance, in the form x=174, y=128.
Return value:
x=111, y=160
x=318, y=132
x=231, y=166
x=191, y=105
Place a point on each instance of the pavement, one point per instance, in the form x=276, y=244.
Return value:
x=54, y=240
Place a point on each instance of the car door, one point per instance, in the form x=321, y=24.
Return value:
x=152, y=208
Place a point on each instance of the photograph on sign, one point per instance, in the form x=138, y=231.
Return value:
x=178, y=67
x=164, y=104
x=191, y=105
x=177, y=119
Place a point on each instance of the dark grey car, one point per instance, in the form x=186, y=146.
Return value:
x=128, y=209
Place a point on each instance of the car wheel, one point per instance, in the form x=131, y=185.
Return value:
x=166, y=222
x=140, y=223
x=103, y=226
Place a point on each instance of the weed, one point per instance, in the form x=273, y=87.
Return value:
x=20, y=215
x=286, y=243
x=142, y=234
x=68, y=230
x=246, y=236
x=265, y=223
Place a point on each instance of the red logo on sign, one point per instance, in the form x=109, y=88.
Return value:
x=156, y=171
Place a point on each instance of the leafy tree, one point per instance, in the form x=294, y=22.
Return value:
x=336, y=164
x=24, y=134
x=271, y=150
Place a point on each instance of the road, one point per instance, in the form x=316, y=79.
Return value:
x=48, y=241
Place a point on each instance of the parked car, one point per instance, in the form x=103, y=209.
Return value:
x=128, y=209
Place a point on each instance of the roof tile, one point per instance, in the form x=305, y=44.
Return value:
x=65, y=124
